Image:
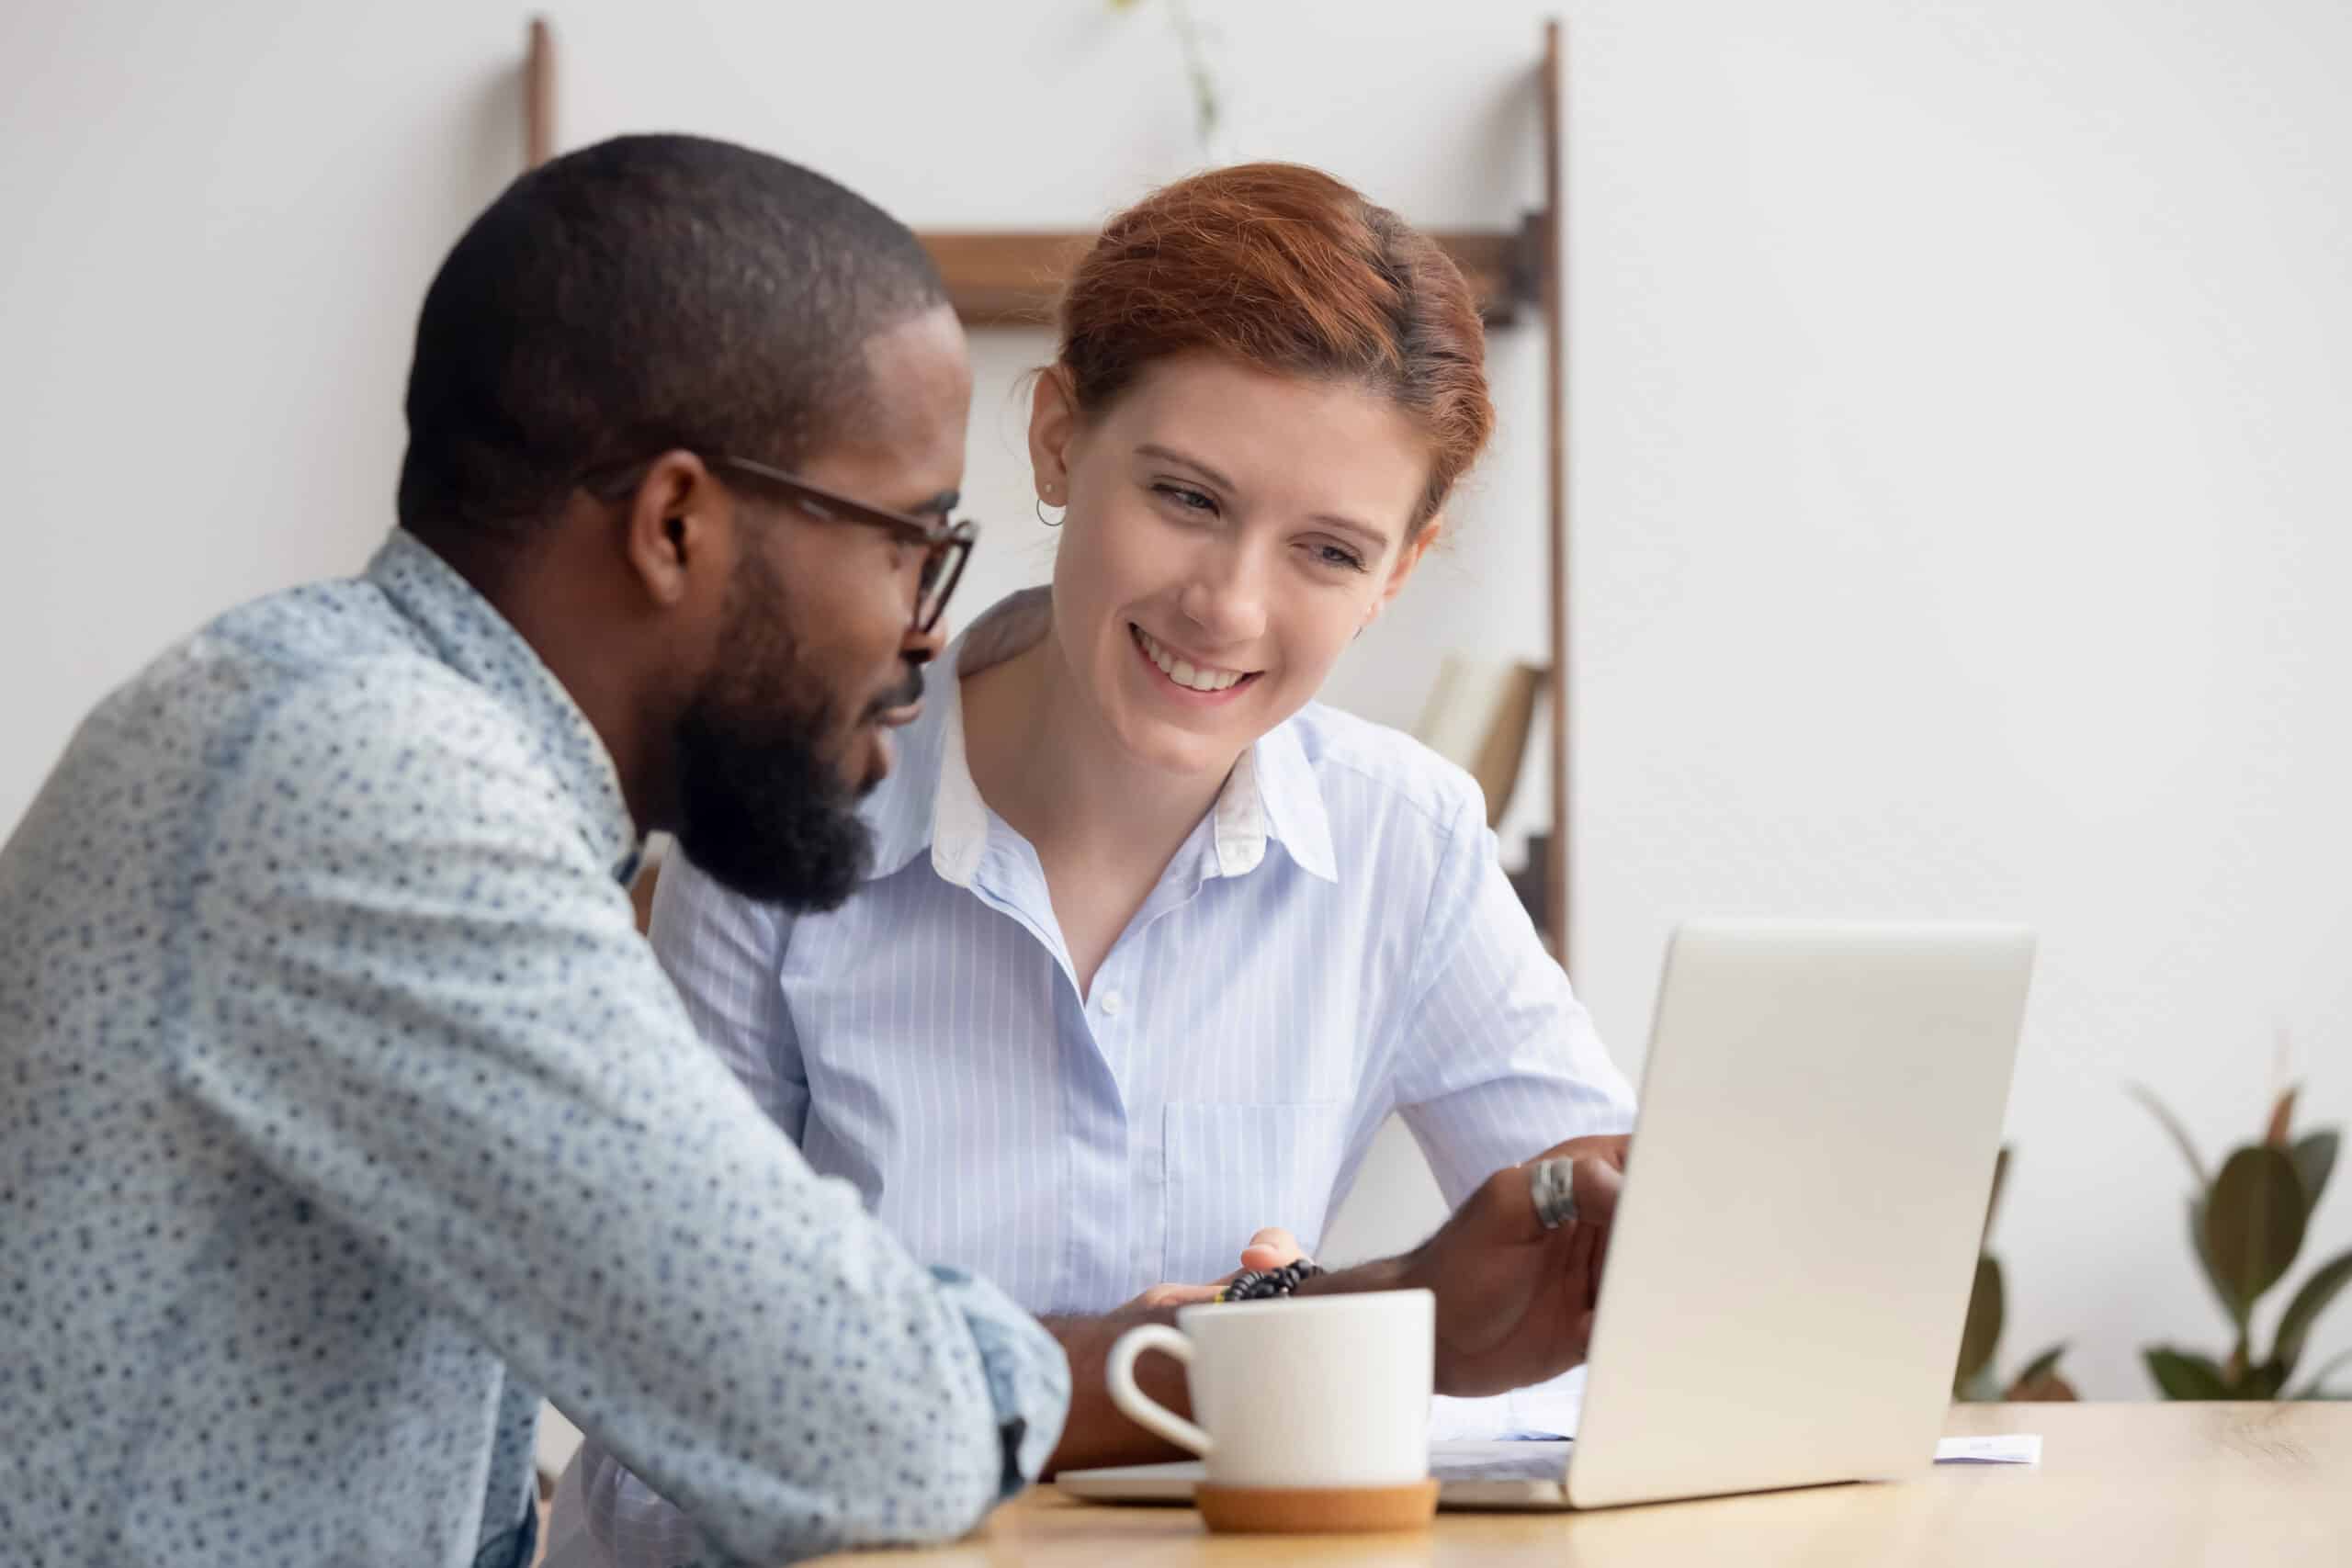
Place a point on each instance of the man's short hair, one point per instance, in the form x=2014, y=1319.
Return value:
x=646, y=293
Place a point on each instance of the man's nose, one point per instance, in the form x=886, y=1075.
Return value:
x=919, y=647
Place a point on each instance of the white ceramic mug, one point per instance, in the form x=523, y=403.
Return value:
x=1305, y=1391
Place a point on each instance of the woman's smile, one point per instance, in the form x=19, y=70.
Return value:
x=1196, y=683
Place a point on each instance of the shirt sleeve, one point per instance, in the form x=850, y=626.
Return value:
x=1498, y=1061
x=725, y=954
x=423, y=1004
x=633, y=1526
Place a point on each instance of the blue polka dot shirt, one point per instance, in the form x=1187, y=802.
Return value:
x=344, y=1112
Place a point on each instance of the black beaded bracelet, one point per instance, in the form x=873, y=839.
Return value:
x=1260, y=1284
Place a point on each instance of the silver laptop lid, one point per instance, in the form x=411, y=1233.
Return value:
x=1790, y=1262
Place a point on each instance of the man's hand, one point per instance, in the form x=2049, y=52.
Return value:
x=1514, y=1299
x=1610, y=1148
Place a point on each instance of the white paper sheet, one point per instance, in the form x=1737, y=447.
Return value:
x=2021, y=1448
x=1547, y=1411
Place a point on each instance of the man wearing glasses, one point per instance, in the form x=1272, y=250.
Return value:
x=344, y=1109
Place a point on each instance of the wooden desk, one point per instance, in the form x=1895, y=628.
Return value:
x=2263, y=1485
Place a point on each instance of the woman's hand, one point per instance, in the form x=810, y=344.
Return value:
x=1270, y=1248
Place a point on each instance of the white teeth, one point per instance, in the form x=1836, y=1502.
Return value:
x=1182, y=670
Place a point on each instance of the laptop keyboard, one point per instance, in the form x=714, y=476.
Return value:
x=1546, y=1460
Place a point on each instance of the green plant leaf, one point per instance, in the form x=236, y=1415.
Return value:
x=2047, y=1389
x=2040, y=1384
x=2042, y=1366
x=1993, y=1203
x=2317, y=1389
x=2262, y=1382
x=2315, y=1157
x=2254, y=1222
x=1983, y=1330
x=2147, y=1097
x=2235, y=1308
x=2295, y=1323
x=2184, y=1375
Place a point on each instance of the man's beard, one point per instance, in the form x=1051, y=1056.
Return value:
x=761, y=807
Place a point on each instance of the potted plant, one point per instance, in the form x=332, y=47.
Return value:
x=2246, y=1223
x=1972, y=1381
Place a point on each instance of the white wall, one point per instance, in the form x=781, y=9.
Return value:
x=1959, y=393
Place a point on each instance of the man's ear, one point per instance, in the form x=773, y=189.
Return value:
x=1406, y=560
x=678, y=527
x=1053, y=425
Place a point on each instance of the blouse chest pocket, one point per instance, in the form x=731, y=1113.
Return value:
x=1231, y=1170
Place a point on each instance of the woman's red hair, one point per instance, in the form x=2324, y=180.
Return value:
x=1287, y=269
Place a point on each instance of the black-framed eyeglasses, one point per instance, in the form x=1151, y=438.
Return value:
x=946, y=546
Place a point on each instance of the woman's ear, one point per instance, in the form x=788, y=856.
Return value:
x=1053, y=425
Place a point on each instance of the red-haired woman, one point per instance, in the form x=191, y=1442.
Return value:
x=1152, y=944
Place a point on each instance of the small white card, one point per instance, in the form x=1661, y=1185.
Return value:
x=2024, y=1448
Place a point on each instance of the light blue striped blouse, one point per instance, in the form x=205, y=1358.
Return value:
x=1335, y=941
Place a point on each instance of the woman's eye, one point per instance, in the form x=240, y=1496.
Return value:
x=1186, y=497
x=1338, y=556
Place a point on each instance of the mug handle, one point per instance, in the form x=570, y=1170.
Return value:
x=1144, y=1411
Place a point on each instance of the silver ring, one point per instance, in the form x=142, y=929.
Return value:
x=1551, y=1184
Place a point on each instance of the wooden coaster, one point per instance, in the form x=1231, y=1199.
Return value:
x=1316, y=1510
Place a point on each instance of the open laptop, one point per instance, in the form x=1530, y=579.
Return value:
x=1794, y=1250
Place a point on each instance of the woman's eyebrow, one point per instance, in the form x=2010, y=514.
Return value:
x=1370, y=535
x=1170, y=455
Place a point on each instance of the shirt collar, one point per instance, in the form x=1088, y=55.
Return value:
x=469, y=635
x=931, y=800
